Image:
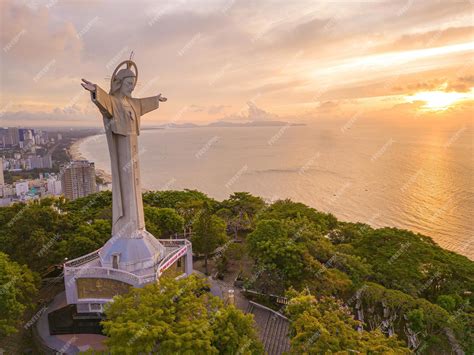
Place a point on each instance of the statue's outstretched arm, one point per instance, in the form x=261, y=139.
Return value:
x=99, y=97
x=150, y=103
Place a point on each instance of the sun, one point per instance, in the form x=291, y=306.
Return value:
x=439, y=100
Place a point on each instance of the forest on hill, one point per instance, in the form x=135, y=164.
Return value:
x=347, y=285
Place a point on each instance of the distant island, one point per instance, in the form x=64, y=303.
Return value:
x=253, y=124
x=227, y=124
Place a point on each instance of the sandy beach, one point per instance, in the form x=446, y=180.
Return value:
x=75, y=154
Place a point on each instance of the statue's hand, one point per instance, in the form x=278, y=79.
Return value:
x=162, y=98
x=88, y=85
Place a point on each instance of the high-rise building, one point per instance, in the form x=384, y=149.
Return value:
x=78, y=179
x=47, y=161
x=39, y=162
x=3, y=137
x=54, y=186
x=22, y=132
x=14, y=136
x=2, y=179
x=35, y=162
x=9, y=137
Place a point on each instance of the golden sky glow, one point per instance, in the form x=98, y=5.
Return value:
x=440, y=100
x=299, y=61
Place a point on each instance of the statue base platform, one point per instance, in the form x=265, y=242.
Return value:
x=94, y=279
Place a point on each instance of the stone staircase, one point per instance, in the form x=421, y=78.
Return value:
x=273, y=328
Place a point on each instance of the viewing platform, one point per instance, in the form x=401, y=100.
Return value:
x=90, y=284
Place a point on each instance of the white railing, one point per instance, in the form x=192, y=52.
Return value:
x=174, y=242
x=103, y=272
x=171, y=258
x=73, y=268
x=82, y=259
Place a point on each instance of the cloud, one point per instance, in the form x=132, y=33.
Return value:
x=196, y=108
x=283, y=51
x=253, y=114
x=467, y=79
x=435, y=38
x=211, y=110
x=325, y=110
x=31, y=38
x=215, y=109
x=463, y=84
x=428, y=85
x=257, y=114
x=328, y=106
x=460, y=84
x=56, y=117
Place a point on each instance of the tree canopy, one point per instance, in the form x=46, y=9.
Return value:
x=325, y=325
x=209, y=233
x=399, y=282
x=163, y=222
x=178, y=317
x=18, y=285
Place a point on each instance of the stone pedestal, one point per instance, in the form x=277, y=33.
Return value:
x=94, y=279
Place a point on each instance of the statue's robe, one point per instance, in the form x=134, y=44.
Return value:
x=122, y=126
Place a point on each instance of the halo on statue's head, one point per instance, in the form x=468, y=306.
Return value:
x=119, y=75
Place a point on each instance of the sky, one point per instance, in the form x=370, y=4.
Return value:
x=296, y=61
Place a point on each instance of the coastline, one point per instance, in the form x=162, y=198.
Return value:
x=457, y=246
x=74, y=152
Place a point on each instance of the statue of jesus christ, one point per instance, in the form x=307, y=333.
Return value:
x=121, y=115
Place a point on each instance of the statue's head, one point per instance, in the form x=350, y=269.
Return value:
x=123, y=82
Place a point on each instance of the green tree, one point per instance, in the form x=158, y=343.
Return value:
x=188, y=203
x=88, y=237
x=173, y=198
x=243, y=207
x=190, y=211
x=447, y=302
x=420, y=319
x=271, y=246
x=287, y=209
x=292, y=253
x=163, y=222
x=234, y=332
x=209, y=233
x=30, y=235
x=414, y=264
x=93, y=206
x=325, y=325
x=18, y=285
x=178, y=317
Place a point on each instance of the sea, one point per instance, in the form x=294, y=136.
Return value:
x=417, y=177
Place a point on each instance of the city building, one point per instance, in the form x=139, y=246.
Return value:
x=25, y=134
x=40, y=162
x=7, y=191
x=21, y=188
x=54, y=186
x=78, y=179
x=14, y=136
x=2, y=179
x=9, y=137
